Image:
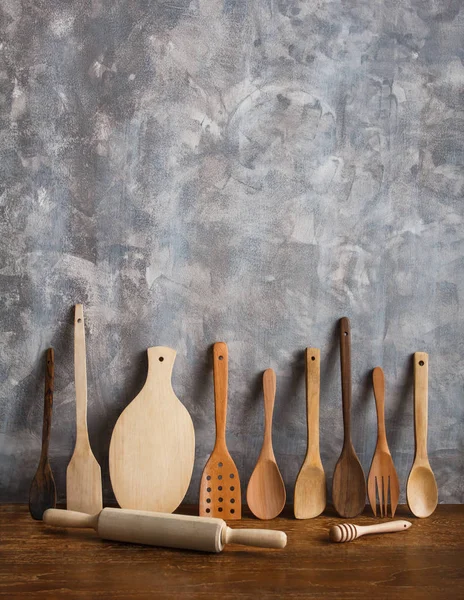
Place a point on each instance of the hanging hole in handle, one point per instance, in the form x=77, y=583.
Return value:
x=346, y=332
x=161, y=358
x=421, y=363
x=221, y=357
x=313, y=358
x=79, y=320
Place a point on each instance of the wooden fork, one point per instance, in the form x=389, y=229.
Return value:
x=382, y=483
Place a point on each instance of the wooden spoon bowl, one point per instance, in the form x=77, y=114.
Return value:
x=422, y=491
x=349, y=485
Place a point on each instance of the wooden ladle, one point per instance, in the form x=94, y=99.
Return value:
x=266, y=490
x=349, y=484
x=421, y=490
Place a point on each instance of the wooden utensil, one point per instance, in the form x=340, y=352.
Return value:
x=383, y=481
x=42, y=494
x=310, y=487
x=152, y=447
x=421, y=490
x=220, y=494
x=83, y=476
x=266, y=489
x=160, y=529
x=347, y=532
x=349, y=485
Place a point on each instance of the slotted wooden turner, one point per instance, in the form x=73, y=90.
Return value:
x=220, y=484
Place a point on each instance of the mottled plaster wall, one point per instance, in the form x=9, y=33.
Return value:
x=239, y=171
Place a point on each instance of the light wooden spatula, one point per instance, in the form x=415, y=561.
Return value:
x=152, y=447
x=83, y=476
x=310, y=487
x=266, y=489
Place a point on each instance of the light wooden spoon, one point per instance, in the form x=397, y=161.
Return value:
x=421, y=490
x=349, y=484
x=310, y=488
x=266, y=489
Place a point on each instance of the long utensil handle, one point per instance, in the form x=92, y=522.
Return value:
x=345, y=367
x=80, y=377
x=220, y=375
x=262, y=538
x=378, y=380
x=421, y=374
x=313, y=376
x=48, y=402
x=269, y=391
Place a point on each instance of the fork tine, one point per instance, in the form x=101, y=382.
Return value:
x=371, y=493
x=379, y=497
x=387, y=495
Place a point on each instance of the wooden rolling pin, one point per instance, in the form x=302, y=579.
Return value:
x=347, y=532
x=206, y=534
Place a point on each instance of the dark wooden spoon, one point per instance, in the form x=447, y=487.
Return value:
x=349, y=483
x=43, y=492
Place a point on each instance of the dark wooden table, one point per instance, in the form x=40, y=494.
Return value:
x=427, y=561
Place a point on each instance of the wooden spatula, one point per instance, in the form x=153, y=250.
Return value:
x=43, y=492
x=310, y=487
x=152, y=447
x=220, y=494
x=83, y=476
x=421, y=490
x=382, y=482
x=349, y=484
x=266, y=489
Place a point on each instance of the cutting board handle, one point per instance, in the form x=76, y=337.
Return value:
x=160, y=363
x=221, y=376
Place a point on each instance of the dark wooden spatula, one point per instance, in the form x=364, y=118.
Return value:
x=42, y=494
x=349, y=484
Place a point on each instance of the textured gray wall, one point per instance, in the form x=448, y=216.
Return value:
x=239, y=171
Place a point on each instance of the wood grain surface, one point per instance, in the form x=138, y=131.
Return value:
x=152, y=448
x=423, y=563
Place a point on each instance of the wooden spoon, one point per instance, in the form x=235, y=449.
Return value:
x=43, y=491
x=349, y=484
x=421, y=490
x=83, y=476
x=310, y=487
x=266, y=489
x=220, y=494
